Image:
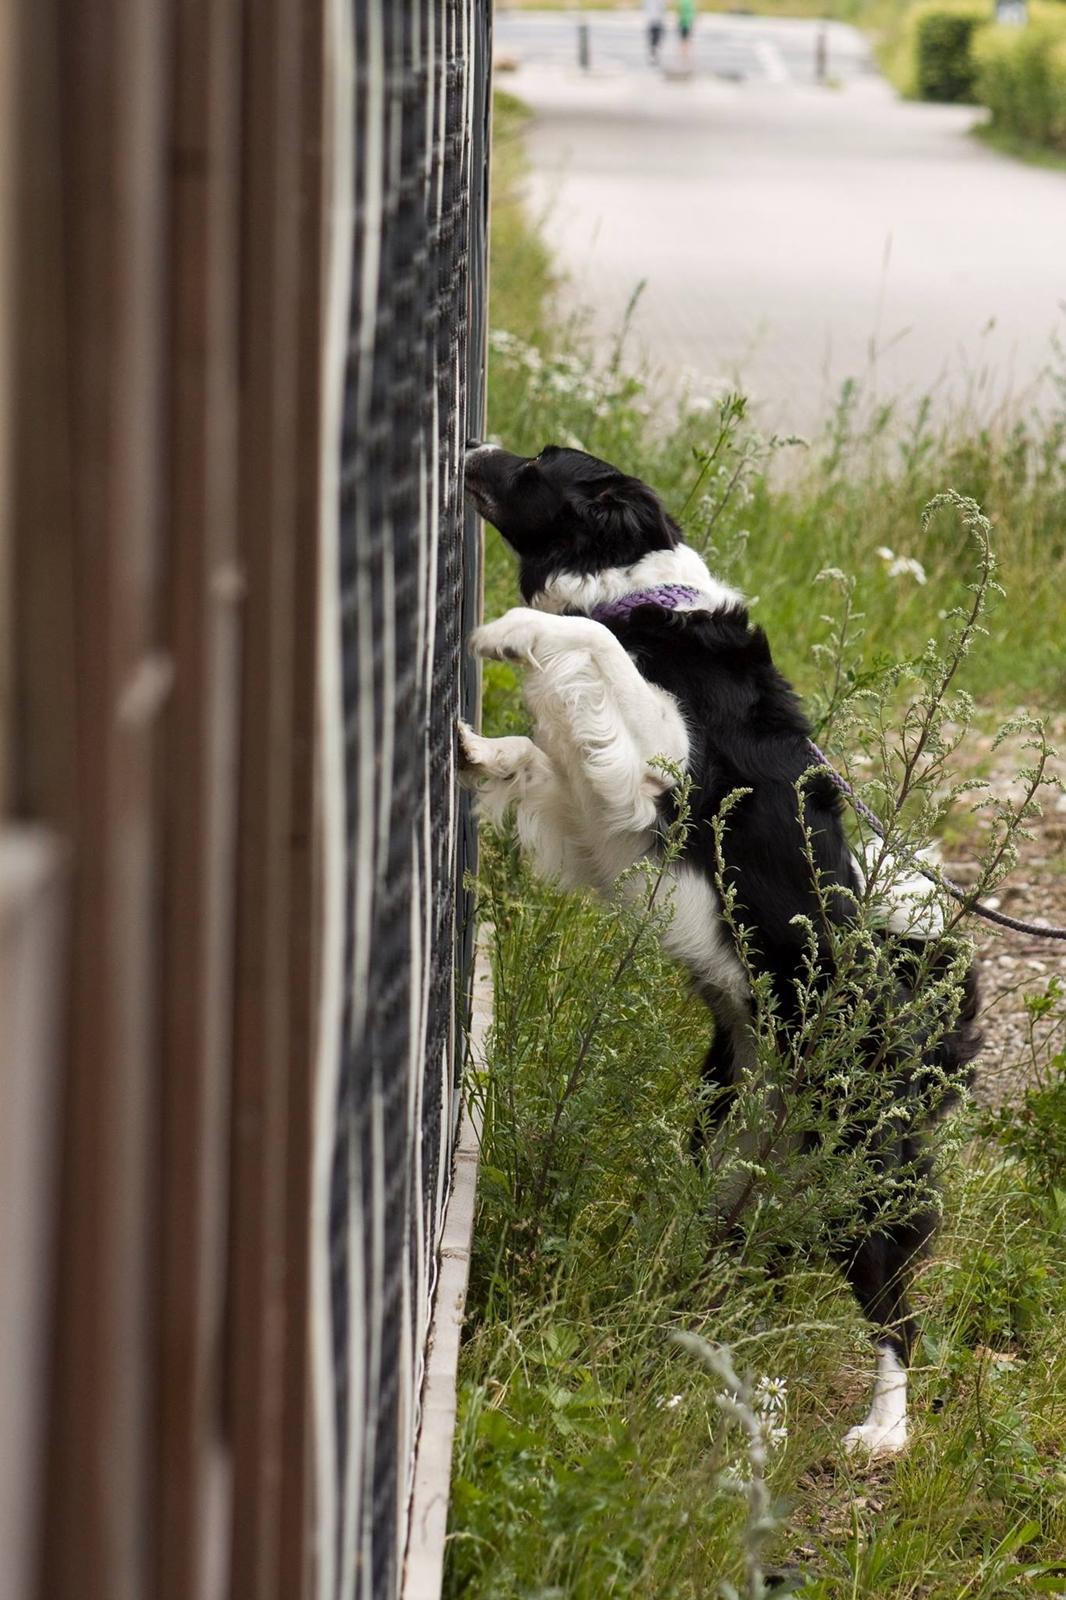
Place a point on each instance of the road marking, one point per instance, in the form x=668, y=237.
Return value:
x=772, y=62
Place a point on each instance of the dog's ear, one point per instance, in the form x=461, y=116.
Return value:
x=628, y=510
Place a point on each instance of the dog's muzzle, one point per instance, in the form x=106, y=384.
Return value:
x=475, y=449
x=475, y=455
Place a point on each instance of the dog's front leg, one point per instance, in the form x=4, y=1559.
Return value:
x=502, y=772
x=599, y=720
x=514, y=775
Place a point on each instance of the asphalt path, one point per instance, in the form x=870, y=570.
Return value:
x=789, y=236
x=734, y=48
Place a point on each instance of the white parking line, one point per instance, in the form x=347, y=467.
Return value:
x=771, y=61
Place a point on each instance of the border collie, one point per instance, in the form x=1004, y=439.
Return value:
x=634, y=652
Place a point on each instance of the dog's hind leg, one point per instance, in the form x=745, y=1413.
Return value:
x=731, y=1053
x=879, y=1271
x=884, y=1429
x=717, y=1079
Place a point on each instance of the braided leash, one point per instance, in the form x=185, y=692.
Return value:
x=932, y=873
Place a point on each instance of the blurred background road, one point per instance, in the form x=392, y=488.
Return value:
x=773, y=49
x=787, y=234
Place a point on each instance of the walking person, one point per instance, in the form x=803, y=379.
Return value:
x=655, y=16
x=686, y=17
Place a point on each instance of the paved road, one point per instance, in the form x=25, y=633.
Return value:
x=791, y=236
x=737, y=49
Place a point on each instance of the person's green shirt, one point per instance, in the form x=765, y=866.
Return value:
x=686, y=11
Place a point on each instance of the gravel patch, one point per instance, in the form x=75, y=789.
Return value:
x=1018, y=1047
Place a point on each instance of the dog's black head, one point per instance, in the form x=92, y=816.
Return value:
x=565, y=511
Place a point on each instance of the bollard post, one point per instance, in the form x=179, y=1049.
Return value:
x=821, y=55
x=583, y=45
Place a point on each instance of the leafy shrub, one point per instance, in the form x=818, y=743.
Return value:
x=1037, y=1131
x=998, y=1298
x=1021, y=77
x=1033, y=1129
x=943, y=34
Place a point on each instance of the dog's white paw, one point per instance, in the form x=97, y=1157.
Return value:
x=469, y=746
x=474, y=752
x=480, y=759
x=877, y=1439
x=512, y=637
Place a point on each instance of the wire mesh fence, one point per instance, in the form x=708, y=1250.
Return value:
x=408, y=591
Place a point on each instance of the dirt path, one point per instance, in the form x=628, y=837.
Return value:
x=1012, y=965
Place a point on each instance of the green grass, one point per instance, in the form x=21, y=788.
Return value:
x=843, y=498
x=590, y=1454
x=1012, y=144
x=591, y=1457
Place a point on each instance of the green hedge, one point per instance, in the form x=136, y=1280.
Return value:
x=1021, y=77
x=943, y=33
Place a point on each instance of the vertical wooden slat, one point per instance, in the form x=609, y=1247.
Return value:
x=297, y=1511
x=204, y=589
x=9, y=44
x=168, y=378
x=270, y=321
x=109, y=109
x=33, y=914
x=40, y=744
x=43, y=770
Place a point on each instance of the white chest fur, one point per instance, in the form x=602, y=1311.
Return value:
x=586, y=789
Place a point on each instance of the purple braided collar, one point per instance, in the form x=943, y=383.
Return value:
x=667, y=595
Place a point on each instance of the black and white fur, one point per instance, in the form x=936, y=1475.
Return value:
x=697, y=686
